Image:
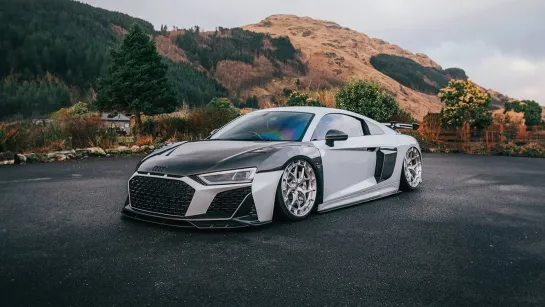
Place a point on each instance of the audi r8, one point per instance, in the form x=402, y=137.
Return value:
x=274, y=163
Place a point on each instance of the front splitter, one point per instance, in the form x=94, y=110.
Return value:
x=200, y=223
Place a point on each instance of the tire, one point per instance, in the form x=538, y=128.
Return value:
x=296, y=195
x=411, y=172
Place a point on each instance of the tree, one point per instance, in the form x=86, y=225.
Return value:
x=136, y=81
x=223, y=104
x=531, y=109
x=164, y=30
x=297, y=99
x=252, y=102
x=367, y=98
x=465, y=102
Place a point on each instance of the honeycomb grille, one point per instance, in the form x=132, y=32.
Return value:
x=160, y=195
x=226, y=203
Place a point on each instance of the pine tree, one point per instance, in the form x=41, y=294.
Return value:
x=136, y=81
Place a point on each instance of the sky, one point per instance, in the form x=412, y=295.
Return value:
x=499, y=43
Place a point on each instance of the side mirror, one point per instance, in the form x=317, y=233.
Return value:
x=334, y=135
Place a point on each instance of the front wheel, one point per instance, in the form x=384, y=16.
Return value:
x=297, y=190
x=411, y=173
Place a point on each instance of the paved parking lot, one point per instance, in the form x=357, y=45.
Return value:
x=473, y=235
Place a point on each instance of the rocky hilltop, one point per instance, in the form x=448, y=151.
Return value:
x=336, y=54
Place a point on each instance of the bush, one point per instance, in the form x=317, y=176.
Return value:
x=508, y=149
x=164, y=127
x=464, y=102
x=533, y=150
x=66, y=130
x=531, y=109
x=144, y=140
x=201, y=121
x=403, y=117
x=8, y=135
x=367, y=98
x=297, y=99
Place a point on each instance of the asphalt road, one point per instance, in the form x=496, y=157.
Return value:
x=473, y=235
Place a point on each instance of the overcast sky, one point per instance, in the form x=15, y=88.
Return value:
x=499, y=43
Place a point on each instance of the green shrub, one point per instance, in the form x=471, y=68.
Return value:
x=403, y=116
x=149, y=126
x=297, y=99
x=367, y=98
x=508, y=149
x=533, y=150
x=201, y=121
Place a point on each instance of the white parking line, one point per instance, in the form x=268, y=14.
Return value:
x=25, y=180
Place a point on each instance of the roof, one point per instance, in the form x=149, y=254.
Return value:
x=117, y=118
x=319, y=111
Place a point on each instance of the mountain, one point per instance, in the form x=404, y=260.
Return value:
x=336, y=54
x=52, y=53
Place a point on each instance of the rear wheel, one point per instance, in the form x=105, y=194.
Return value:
x=411, y=174
x=297, y=191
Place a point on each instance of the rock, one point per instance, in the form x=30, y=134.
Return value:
x=136, y=149
x=8, y=155
x=82, y=152
x=36, y=158
x=148, y=148
x=7, y=158
x=20, y=158
x=51, y=156
x=112, y=151
x=124, y=150
x=65, y=152
x=61, y=157
x=96, y=151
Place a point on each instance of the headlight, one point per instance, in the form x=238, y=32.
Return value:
x=226, y=177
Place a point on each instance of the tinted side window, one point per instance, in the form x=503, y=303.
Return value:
x=347, y=124
x=374, y=129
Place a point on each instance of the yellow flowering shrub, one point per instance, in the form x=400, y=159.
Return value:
x=463, y=101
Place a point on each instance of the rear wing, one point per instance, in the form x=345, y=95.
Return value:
x=395, y=126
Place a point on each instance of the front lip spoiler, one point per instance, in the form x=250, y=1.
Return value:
x=200, y=223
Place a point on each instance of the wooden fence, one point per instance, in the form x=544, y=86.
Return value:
x=474, y=140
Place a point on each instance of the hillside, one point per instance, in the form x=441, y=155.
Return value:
x=335, y=54
x=53, y=52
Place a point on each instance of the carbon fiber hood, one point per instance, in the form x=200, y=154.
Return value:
x=210, y=155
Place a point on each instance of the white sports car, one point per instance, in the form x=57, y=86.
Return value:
x=274, y=163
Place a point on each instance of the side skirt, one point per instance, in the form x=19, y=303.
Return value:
x=389, y=189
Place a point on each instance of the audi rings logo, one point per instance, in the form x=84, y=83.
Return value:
x=159, y=169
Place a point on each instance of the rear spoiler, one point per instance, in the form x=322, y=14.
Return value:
x=395, y=126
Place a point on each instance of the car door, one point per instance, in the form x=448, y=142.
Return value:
x=348, y=165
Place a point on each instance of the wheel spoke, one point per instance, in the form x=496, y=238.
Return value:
x=299, y=188
x=413, y=167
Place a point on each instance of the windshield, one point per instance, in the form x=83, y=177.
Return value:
x=267, y=126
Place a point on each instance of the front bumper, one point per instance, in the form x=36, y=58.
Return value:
x=195, y=222
x=185, y=202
